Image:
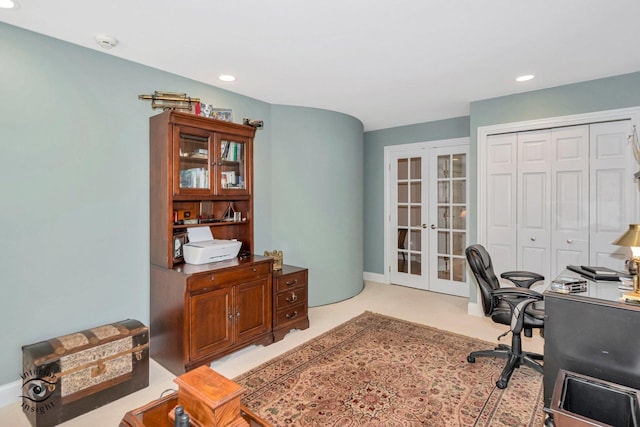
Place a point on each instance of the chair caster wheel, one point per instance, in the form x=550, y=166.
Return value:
x=501, y=384
x=471, y=359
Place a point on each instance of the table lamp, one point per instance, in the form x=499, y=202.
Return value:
x=631, y=239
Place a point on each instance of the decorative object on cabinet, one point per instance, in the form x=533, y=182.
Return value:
x=66, y=376
x=277, y=258
x=258, y=124
x=290, y=300
x=170, y=100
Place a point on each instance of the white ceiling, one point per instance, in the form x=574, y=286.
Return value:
x=388, y=63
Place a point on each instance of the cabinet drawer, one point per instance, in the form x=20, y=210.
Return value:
x=291, y=314
x=291, y=296
x=231, y=276
x=290, y=280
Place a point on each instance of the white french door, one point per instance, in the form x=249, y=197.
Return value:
x=449, y=187
x=427, y=208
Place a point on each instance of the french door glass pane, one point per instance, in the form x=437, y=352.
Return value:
x=443, y=267
x=443, y=217
x=416, y=192
x=459, y=243
x=403, y=169
x=403, y=216
x=459, y=191
x=459, y=218
x=459, y=166
x=459, y=270
x=443, y=167
x=403, y=192
x=416, y=168
x=416, y=240
x=443, y=242
x=416, y=215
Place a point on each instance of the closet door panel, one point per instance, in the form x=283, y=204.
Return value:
x=569, y=198
x=533, y=222
x=612, y=192
x=501, y=201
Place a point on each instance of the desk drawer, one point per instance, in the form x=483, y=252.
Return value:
x=229, y=276
x=291, y=314
x=291, y=296
x=288, y=281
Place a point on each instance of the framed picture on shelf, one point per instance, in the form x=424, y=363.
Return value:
x=224, y=114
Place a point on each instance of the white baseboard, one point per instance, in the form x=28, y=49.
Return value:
x=373, y=277
x=475, y=309
x=10, y=393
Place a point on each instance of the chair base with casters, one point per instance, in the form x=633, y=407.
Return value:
x=519, y=307
x=516, y=358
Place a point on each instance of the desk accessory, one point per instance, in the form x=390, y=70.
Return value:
x=566, y=285
x=591, y=275
x=631, y=239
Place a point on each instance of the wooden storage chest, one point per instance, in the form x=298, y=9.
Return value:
x=67, y=376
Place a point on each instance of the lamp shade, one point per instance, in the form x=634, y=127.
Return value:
x=630, y=238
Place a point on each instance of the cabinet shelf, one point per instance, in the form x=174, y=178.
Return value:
x=210, y=224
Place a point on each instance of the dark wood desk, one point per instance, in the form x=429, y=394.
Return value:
x=591, y=333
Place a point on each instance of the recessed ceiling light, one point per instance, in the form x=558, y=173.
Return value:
x=227, y=77
x=8, y=4
x=525, y=78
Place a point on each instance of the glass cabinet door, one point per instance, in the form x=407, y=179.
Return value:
x=232, y=165
x=193, y=166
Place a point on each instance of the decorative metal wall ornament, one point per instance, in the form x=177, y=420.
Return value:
x=170, y=100
x=258, y=124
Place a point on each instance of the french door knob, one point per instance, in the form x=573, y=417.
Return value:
x=569, y=241
x=533, y=239
x=433, y=226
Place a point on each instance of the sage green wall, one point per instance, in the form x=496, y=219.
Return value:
x=374, y=143
x=316, y=162
x=74, y=167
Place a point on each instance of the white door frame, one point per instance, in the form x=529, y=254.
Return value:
x=387, y=182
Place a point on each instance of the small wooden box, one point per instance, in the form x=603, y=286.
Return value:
x=67, y=376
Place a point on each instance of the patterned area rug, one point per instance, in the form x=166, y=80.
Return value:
x=375, y=370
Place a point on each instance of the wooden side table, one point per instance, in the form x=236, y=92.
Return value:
x=290, y=303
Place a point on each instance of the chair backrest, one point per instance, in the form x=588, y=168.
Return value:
x=482, y=268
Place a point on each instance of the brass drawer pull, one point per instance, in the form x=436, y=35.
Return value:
x=292, y=298
x=295, y=282
x=292, y=315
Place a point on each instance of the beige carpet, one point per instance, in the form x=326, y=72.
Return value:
x=375, y=370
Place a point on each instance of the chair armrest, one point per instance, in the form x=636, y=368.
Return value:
x=516, y=293
x=518, y=299
x=522, y=279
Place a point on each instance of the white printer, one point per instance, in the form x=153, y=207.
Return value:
x=203, y=248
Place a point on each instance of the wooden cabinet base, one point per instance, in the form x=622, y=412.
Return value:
x=209, y=398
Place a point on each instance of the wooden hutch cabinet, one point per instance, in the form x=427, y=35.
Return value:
x=201, y=172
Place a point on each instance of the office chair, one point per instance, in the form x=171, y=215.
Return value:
x=519, y=307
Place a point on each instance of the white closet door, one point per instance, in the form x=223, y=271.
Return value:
x=613, y=192
x=569, y=198
x=533, y=213
x=501, y=200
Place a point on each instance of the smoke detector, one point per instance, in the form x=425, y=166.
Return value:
x=106, y=41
